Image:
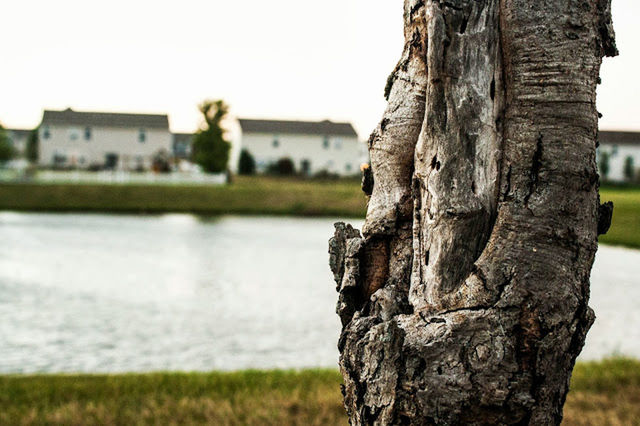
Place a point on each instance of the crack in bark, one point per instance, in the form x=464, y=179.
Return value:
x=534, y=172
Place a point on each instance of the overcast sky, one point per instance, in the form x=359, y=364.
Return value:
x=288, y=59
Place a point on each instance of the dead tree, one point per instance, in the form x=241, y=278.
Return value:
x=465, y=300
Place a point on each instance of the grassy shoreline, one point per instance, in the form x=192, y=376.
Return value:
x=254, y=196
x=247, y=196
x=605, y=392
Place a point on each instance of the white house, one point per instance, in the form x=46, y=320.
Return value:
x=312, y=146
x=622, y=148
x=96, y=139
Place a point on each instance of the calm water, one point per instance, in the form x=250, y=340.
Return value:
x=101, y=293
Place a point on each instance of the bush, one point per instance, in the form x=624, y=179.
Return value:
x=161, y=162
x=247, y=164
x=283, y=167
x=6, y=149
x=604, y=165
x=32, y=146
x=326, y=175
x=629, y=170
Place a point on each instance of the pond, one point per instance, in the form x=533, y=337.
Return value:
x=111, y=293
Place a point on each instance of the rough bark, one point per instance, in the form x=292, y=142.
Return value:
x=465, y=301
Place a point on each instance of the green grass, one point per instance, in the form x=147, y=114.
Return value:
x=264, y=195
x=605, y=392
x=255, y=195
x=625, y=226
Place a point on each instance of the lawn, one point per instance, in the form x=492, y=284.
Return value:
x=255, y=195
x=625, y=226
x=606, y=392
x=247, y=195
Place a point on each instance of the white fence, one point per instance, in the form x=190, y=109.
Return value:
x=119, y=177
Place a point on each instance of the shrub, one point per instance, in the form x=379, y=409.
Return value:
x=283, y=167
x=629, y=170
x=247, y=164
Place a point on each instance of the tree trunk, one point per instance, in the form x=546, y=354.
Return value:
x=466, y=299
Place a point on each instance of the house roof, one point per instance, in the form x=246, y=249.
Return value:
x=619, y=138
x=70, y=117
x=297, y=127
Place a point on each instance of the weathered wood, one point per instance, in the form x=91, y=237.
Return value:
x=466, y=299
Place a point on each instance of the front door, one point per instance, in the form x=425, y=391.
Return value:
x=110, y=161
x=305, y=167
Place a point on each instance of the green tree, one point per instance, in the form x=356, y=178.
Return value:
x=247, y=164
x=210, y=149
x=6, y=150
x=629, y=171
x=33, y=146
x=604, y=164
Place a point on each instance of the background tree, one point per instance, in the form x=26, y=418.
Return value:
x=210, y=148
x=629, y=169
x=605, y=164
x=33, y=146
x=465, y=301
x=246, y=164
x=6, y=149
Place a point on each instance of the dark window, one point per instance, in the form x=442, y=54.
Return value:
x=276, y=142
x=348, y=168
x=142, y=136
x=325, y=142
x=87, y=133
x=46, y=133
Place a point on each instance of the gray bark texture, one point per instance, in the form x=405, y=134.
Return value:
x=465, y=299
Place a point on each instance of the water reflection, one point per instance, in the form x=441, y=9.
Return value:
x=178, y=292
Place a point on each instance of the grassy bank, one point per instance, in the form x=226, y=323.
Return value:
x=254, y=195
x=264, y=195
x=625, y=227
x=607, y=392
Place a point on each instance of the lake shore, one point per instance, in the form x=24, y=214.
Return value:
x=604, y=392
x=254, y=196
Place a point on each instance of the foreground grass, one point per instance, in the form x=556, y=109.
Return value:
x=255, y=195
x=606, y=392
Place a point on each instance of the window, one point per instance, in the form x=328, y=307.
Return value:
x=74, y=134
x=46, y=133
x=325, y=142
x=348, y=168
x=87, y=133
x=338, y=143
x=59, y=159
x=276, y=142
x=142, y=136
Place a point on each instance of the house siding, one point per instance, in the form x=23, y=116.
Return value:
x=342, y=155
x=618, y=154
x=70, y=142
